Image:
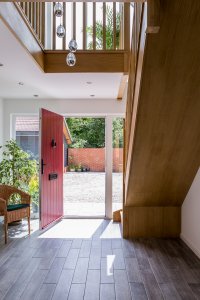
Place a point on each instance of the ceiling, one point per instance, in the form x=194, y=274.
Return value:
x=19, y=66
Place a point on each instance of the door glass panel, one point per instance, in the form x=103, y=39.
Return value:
x=84, y=179
x=117, y=175
x=27, y=138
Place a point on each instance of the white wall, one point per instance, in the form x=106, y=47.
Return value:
x=1, y=124
x=84, y=107
x=190, y=227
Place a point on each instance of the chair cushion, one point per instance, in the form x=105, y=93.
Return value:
x=16, y=206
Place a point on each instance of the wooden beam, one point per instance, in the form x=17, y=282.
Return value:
x=153, y=16
x=14, y=20
x=86, y=61
x=122, y=87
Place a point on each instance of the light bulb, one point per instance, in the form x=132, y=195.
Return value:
x=73, y=46
x=60, y=31
x=71, y=59
x=58, y=9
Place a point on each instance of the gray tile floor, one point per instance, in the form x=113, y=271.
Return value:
x=88, y=259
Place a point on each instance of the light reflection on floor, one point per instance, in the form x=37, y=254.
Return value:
x=82, y=228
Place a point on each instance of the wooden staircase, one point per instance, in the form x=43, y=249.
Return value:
x=163, y=117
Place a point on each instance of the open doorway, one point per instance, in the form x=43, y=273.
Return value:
x=93, y=163
x=84, y=179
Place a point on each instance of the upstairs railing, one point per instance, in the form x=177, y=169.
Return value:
x=94, y=25
x=34, y=14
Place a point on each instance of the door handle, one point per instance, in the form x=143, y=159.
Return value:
x=42, y=166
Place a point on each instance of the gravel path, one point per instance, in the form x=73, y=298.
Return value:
x=90, y=187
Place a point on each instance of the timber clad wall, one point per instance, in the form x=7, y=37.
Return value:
x=94, y=158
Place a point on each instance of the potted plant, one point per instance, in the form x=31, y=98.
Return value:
x=79, y=167
x=72, y=168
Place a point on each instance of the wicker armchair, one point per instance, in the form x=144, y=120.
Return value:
x=14, y=212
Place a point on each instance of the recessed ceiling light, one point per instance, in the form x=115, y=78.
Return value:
x=35, y=96
x=89, y=82
x=20, y=83
x=92, y=95
x=1, y=65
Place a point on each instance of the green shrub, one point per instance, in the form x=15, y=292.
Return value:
x=17, y=169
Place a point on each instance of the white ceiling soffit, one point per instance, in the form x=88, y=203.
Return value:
x=19, y=66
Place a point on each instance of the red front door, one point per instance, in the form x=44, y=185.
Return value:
x=51, y=167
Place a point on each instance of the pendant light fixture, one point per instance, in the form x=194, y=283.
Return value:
x=60, y=32
x=71, y=59
x=73, y=45
x=58, y=9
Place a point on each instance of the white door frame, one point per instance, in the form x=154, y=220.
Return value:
x=108, y=150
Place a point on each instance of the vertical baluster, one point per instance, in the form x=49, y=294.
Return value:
x=38, y=19
x=64, y=24
x=31, y=13
x=94, y=26
x=54, y=29
x=74, y=20
x=126, y=26
x=104, y=26
x=84, y=25
x=40, y=27
x=114, y=25
x=43, y=24
x=22, y=5
x=26, y=9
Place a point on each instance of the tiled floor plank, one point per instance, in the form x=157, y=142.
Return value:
x=80, y=273
x=107, y=291
x=63, y=286
x=76, y=292
x=46, y=291
x=138, y=291
x=34, y=285
x=92, y=288
x=71, y=259
x=55, y=270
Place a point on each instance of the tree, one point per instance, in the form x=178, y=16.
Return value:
x=16, y=167
x=87, y=132
x=118, y=133
x=90, y=132
x=109, y=31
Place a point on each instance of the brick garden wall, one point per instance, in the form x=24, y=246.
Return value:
x=94, y=158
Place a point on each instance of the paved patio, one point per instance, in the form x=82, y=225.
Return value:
x=84, y=193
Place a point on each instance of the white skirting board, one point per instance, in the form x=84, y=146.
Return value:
x=190, y=245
